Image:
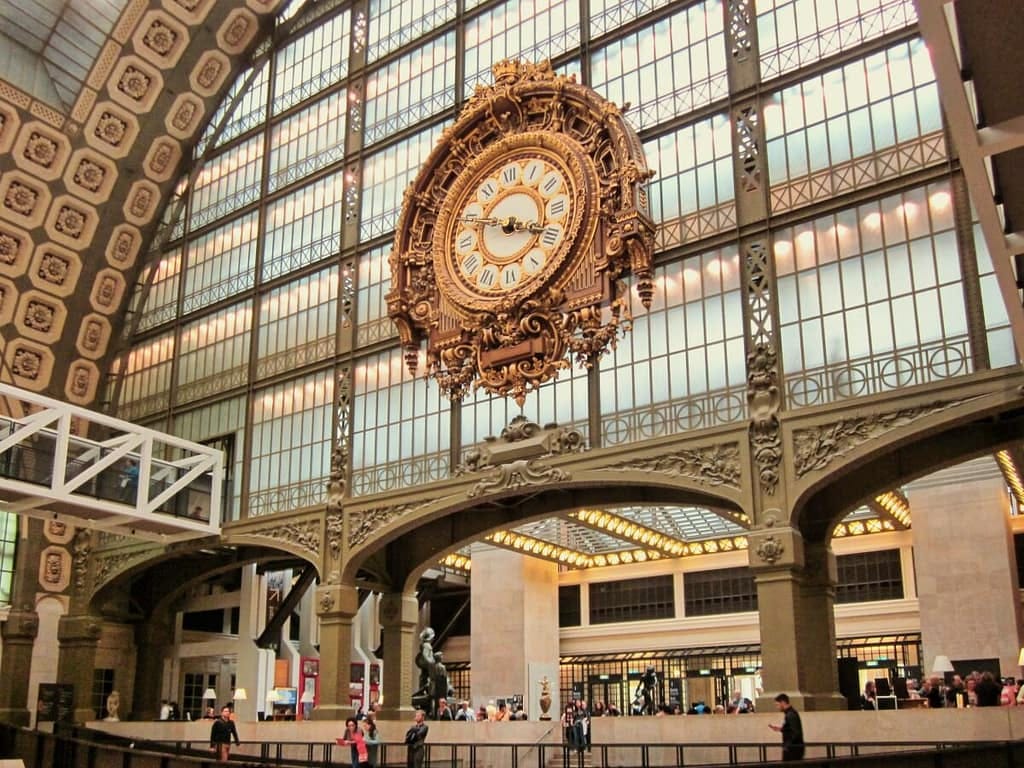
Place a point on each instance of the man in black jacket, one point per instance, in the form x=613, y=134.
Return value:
x=791, y=729
x=414, y=741
x=221, y=733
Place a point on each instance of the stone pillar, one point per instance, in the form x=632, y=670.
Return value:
x=795, y=597
x=19, y=635
x=514, y=633
x=337, y=606
x=78, y=636
x=399, y=614
x=966, y=567
x=152, y=640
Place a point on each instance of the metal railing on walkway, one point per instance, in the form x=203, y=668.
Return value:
x=81, y=748
x=61, y=461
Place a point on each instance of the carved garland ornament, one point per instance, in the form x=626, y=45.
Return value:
x=363, y=524
x=515, y=235
x=816, y=448
x=716, y=465
x=305, y=535
x=109, y=565
x=518, y=474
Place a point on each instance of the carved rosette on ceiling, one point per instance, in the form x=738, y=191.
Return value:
x=715, y=465
x=516, y=234
x=817, y=447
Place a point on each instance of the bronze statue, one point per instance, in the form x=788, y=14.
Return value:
x=433, y=676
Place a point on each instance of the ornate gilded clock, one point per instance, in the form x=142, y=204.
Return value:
x=516, y=234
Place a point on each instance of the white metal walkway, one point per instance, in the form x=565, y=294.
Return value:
x=59, y=461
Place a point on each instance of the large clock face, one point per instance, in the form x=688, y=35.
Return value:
x=512, y=223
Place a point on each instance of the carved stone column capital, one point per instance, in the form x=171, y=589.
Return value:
x=398, y=610
x=79, y=630
x=20, y=627
x=337, y=602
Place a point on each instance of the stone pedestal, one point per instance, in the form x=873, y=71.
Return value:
x=19, y=635
x=795, y=596
x=966, y=568
x=336, y=606
x=514, y=634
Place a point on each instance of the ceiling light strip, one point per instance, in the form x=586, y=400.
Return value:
x=1012, y=474
x=894, y=505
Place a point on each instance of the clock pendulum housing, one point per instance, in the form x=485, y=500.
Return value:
x=516, y=235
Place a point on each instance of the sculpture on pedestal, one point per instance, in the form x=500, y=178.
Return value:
x=545, y=698
x=433, y=676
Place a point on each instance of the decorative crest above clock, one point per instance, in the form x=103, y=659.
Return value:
x=515, y=236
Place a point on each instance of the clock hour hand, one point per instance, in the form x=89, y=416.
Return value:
x=508, y=226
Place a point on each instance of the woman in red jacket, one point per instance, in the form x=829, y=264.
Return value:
x=354, y=738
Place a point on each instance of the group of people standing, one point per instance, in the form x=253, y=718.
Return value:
x=362, y=737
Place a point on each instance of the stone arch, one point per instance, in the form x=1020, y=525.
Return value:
x=160, y=574
x=883, y=450
x=410, y=539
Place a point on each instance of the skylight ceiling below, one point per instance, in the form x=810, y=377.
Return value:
x=49, y=46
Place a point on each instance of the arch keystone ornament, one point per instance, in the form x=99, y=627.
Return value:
x=516, y=235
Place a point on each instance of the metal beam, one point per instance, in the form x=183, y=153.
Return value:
x=272, y=631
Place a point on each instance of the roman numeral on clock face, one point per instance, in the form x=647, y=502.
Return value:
x=550, y=236
x=488, y=276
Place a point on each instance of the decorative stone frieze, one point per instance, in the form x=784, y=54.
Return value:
x=817, y=447
x=364, y=523
x=716, y=465
x=518, y=474
x=303, y=535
